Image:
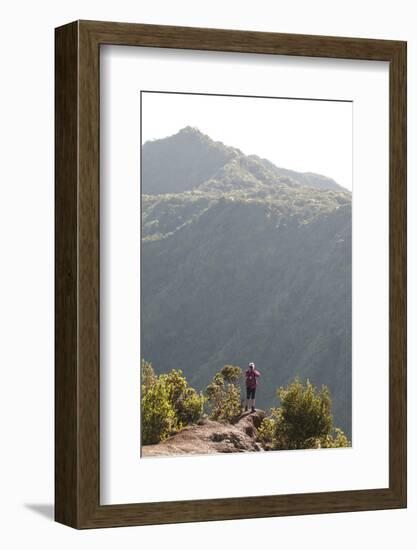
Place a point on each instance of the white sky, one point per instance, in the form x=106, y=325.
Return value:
x=302, y=135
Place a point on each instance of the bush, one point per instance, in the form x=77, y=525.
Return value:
x=148, y=376
x=167, y=405
x=231, y=374
x=187, y=403
x=304, y=420
x=339, y=439
x=158, y=415
x=223, y=394
x=267, y=430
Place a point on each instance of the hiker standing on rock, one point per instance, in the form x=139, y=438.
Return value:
x=251, y=382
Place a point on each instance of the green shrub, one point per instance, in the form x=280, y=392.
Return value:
x=188, y=404
x=306, y=413
x=231, y=374
x=148, y=376
x=167, y=404
x=158, y=415
x=339, y=439
x=267, y=430
x=223, y=394
x=303, y=421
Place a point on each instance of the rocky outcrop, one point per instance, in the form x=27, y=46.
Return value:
x=210, y=437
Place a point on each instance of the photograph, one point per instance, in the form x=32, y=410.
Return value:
x=208, y=275
x=245, y=273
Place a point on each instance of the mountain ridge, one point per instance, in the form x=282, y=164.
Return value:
x=192, y=158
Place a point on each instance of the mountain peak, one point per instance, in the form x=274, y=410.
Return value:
x=192, y=133
x=191, y=158
x=190, y=130
x=182, y=161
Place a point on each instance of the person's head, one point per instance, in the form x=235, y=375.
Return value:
x=251, y=365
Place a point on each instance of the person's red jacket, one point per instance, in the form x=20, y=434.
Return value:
x=251, y=378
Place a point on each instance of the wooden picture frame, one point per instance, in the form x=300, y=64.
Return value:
x=77, y=373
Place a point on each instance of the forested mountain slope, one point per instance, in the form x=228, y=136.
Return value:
x=243, y=261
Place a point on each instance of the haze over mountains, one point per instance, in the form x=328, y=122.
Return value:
x=244, y=261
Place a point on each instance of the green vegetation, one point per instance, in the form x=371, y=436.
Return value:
x=303, y=421
x=223, y=394
x=197, y=173
x=168, y=404
x=186, y=401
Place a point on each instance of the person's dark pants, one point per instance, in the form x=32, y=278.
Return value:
x=250, y=393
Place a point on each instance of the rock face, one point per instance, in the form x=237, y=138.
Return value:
x=210, y=437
